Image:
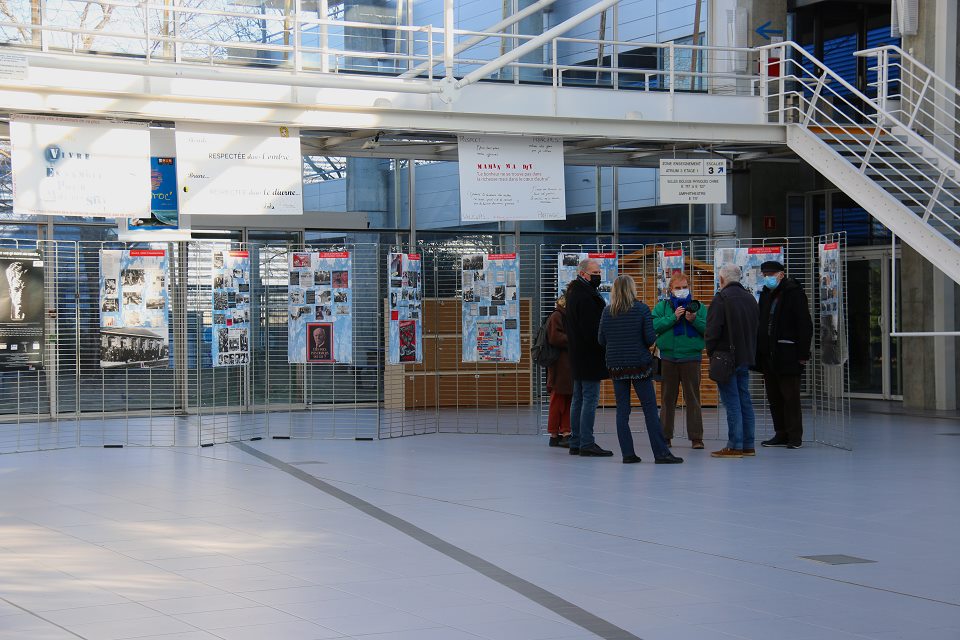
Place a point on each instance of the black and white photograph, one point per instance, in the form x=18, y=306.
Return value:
x=571, y=259
x=343, y=310
x=323, y=312
x=340, y=296
x=322, y=278
x=396, y=266
x=110, y=305
x=238, y=274
x=499, y=293
x=310, y=297
x=110, y=286
x=218, y=260
x=132, y=297
x=243, y=287
x=294, y=278
x=155, y=304
x=473, y=262
x=222, y=281
x=324, y=296
x=511, y=293
x=296, y=296
x=132, y=347
x=307, y=279
x=133, y=277
x=221, y=301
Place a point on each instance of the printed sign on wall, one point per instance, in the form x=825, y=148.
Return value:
x=693, y=181
x=320, y=326
x=832, y=339
x=133, y=308
x=511, y=178
x=77, y=167
x=164, y=222
x=21, y=309
x=749, y=261
x=230, y=339
x=491, y=307
x=405, y=286
x=669, y=261
x=239, y=171
x=567, y=264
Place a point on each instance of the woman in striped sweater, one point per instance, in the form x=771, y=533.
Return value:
x=626, y=330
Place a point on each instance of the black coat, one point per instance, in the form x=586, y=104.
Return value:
x=785, y=331
x=740, y=305
x=582, y=322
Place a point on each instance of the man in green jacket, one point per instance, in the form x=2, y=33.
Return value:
x=680, y=322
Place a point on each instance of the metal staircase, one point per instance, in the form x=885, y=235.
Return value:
x=907, y=181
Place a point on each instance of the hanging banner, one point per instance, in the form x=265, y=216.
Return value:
x=21, y=310
x=511, y=178
x=749, y=261
x=320, y=326
x=405, y=286
x=133, y=308
x=693, y=181
x=669, y=261
x=567, y=264
x=164, y=222
x=491, y=308
x=230, y=339
x=77, y=167
x=239, y=171
x=832, y=338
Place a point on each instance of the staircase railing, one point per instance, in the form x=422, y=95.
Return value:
x=800, y=89
x=922, y=100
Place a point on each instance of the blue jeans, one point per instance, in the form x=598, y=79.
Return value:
x=735, y=394
x=583, y=412
x=648, y=400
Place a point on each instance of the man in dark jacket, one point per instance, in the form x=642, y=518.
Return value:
x=732, y=324
x=783, y=350
x=587, y=357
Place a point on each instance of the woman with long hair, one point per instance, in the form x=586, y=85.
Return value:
x=626, y=330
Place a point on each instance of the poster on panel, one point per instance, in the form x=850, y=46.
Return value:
x=490, y=307
x=405, y=291
x=669, y=261
x=832, y=342
x=511, y=178
x=230, y=339
x=21, y=309
x=79, y=167
x=164, y=222
x=568, y=263
x=239, y=171
x=320, y=304
x=133, y=308
x=749, y=261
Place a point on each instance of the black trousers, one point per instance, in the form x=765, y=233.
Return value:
x=783, y=393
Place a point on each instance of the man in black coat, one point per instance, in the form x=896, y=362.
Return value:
x=783, y=350
x=587, y=357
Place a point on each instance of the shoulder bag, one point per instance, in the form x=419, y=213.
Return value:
x=723, y=364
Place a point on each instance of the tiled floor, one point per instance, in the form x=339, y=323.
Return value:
x=200, y=544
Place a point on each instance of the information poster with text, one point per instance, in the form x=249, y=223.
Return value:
x=669, y=261
x=230, y=340
x=405, y=286
x=164, y=222
x=21, y=309
x=133, y=308
x=749, y=261
x=491, y=307
x=511, y=178
x=832, y=343
x=320, y=304
x=568, y=263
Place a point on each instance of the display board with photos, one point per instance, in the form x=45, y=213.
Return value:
x=134, y=306
x=669, y=261
x=21, y=309
x=749, y=260
x=568, y=261
x=230, y=338
x=405, y=291
x=320, y=303
x=491, y=307
x=832, y=347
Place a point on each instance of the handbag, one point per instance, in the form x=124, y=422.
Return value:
x=655, y=368
x=723, y=364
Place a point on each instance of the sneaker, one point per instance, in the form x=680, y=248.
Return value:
x=773, y=442
x=799, y=445
x=696, y=444
x=749, y=452
x=727, y=452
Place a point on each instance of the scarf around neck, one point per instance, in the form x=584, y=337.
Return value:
x=682, y=327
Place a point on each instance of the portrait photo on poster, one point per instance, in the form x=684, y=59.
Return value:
x=21, y=309
x=319, y=342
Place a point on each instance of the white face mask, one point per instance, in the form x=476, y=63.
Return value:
x=681, y=294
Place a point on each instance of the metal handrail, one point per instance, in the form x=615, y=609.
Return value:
x=927, y=101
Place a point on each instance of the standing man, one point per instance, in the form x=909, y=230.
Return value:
x=783, y=350
x=587, y=358
x=732, y=325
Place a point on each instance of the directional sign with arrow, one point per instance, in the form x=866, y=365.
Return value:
x=765, y=32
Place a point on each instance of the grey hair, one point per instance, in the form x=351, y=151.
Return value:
x=730, y=272
x=586, y=262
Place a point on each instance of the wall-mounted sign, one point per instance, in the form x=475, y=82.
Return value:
x=693, y=181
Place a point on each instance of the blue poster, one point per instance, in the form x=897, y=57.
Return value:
x=568, y=261
x=491, y=308
x=230, y=341
x=133, y=308
x=749, y=261
x=164, y=212
x=405, y=290
x=320, y=302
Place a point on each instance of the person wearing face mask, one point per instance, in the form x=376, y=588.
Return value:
x=587, y=357
x=680, y=340
x=783, y=350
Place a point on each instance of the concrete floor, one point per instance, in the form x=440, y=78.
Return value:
x=454, y=536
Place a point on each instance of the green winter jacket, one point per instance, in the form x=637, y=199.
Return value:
x=682, y=347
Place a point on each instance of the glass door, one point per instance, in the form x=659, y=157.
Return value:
x=874, y=355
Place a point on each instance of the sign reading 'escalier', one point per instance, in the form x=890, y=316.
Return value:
x=693, y=181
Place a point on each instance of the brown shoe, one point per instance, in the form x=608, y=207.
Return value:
x=727, y=452
x=749, y=452
x=697, y=444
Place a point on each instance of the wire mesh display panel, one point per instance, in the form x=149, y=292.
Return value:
x=830, y=375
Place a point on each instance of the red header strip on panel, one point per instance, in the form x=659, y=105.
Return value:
x=601, y=255
x=147, y=253
x=333, y=254
x=502, y=256
x=831, y=245
x=763, y=250
x=239, y=254
x=673, y=253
